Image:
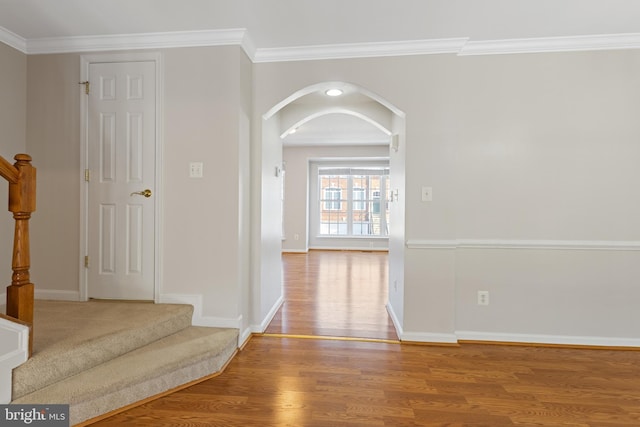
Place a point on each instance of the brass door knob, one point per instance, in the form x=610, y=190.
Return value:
x=145, y=193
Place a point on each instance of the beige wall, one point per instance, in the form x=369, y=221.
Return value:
x=547, y=150
x=13, y=116
x=533, y=148
x=205, y=115
x=203, y=253
x=53, y=138
x=520, y=147
x=13, y=102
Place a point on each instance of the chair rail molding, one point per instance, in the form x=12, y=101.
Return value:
x=593, y=245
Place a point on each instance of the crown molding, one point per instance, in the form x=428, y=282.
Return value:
x=360, y=50
x=552, y=44
x=241, y=37
x=13, y=40
x=235, y=36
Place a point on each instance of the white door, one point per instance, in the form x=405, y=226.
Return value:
x=121, y=157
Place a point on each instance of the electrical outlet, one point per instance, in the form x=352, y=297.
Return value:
x=483, y=297
x=296, y=236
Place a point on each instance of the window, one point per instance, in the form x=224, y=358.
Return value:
x=332, y=199
x=358, y=199
x=352, y=201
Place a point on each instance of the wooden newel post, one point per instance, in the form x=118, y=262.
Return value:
x=22, y=201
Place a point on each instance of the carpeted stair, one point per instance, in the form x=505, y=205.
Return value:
x=100, y=356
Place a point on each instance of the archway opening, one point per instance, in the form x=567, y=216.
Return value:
x=356, y=131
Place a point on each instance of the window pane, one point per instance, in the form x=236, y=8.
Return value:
x=353, y=204
x=333, y=208
x=359, y=199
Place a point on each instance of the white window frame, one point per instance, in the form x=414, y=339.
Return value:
x=332, y=203
x=355, y=167
x=360, y=202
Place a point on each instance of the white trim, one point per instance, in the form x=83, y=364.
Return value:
x=15, y=357
x=15, y=351
x=218, y=322
x=258, y=329
x=394, y=318
x=240, y=37
x=548, y=339
x=244, y=336
x=348, y=248
x=431, y=244
x=360, y=50
x=85, y=62
x=552, y=44
x=427, y=337
x=46, y=294
x=235, y=36
x=21, y=331
x=295, y=251
x=593, y=245
x=248, y=45
x=198, y=319
x=159, y=178
x=12, y=39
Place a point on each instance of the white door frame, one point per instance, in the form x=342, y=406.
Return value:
x=85, y=62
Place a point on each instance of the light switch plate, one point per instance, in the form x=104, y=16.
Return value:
x=195, y=169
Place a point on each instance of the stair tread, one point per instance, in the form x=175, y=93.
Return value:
x=71, y=337
x=186, y=347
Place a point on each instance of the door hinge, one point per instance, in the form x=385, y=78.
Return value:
x=87, y=175
x=86, y=261
x=86, y=86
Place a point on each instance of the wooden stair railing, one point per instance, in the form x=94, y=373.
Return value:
x=22, y=202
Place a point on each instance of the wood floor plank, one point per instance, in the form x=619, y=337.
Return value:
x=335, y=293
x=290, y=391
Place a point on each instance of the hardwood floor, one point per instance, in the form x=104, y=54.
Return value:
x=276, y=381
x=307, y=382
x=335, y=293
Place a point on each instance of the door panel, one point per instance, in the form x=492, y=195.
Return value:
x=121, y=155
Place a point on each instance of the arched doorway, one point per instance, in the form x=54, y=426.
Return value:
x=306, y=107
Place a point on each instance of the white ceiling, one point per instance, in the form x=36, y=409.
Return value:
x=337, y=129
x=296, y=23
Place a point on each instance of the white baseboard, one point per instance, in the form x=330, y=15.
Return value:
x=548, y=339
x=295, y=251
x=244, y=336
x=198, y=318
x=429, y=337
x=422, y=337
x=394, y=319
x=258, y=329
x=351, y=248
x=56, y=295
x=218, y=322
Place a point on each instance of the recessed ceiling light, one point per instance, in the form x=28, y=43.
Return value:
x=334, y=92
